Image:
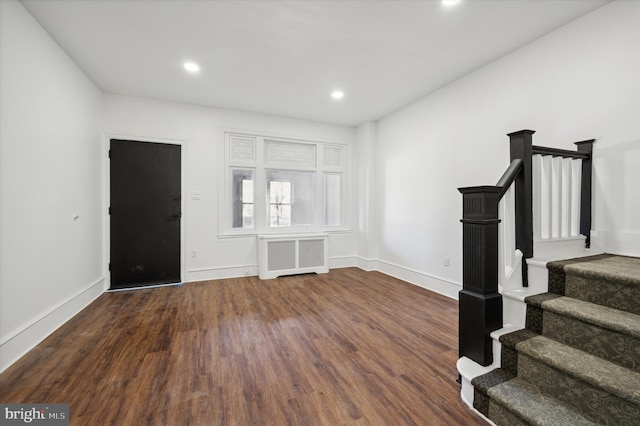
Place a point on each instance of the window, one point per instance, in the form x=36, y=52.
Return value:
x=290, y=196
x=242, y=188
x=282, y=185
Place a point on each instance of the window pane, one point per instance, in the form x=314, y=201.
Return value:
x=290, y=195
x=242, y=198
x=280, y=192
x=332, y=199
x=247, y=191
x=247, y=215
x=280, y=215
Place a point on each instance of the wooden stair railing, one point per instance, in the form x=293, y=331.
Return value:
x=480, y=302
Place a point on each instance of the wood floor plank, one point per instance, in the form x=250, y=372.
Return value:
x=344, y=348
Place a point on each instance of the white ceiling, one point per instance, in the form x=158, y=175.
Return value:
x=285, y=57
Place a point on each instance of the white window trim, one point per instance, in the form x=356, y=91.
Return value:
x=342, y=198
x=257, y=164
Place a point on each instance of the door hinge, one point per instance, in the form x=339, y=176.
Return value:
x=109, y=266
x=109, y=209
x=109, y=154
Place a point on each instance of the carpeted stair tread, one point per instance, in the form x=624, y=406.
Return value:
x=614, y=379
x=560, y=264
x=602, y=316
x=481, y=385
x=534, y=407
x=612, y=281
x=623, y=269
x=609, y=333
x=557, y=277
x=501, y=415
x=594, y=403
x=619, y=348
x=538, y=299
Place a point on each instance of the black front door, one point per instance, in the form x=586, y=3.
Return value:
x=145, y=213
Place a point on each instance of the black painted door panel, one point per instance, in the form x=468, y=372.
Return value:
x=145, y=194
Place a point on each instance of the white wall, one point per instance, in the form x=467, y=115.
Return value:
x=200, y=129
x=580, y=82
x=366, y=224
x=51, y=264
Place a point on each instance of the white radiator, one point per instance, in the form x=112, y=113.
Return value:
x=292, y=254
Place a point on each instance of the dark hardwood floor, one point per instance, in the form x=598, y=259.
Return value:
x=348, y=347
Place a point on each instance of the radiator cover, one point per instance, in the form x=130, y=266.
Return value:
x=290, y=254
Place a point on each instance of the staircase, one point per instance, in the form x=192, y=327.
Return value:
x=577, y=361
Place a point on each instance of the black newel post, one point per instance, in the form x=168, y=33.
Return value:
x=585, y=190
x=521, y=148
x=480, y=304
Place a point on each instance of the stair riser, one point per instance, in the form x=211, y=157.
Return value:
x=513, y=402
x=592, y=402
x=612, y=346
x=625, y=297
x=481, y=402
x=560, y=248
x=538, y=276
x=513, y=311
x=502, y=416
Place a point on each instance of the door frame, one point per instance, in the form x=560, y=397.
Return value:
x=107, y=136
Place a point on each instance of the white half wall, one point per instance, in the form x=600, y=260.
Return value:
x=579, y=82
x=201, y=129
x=50, y=185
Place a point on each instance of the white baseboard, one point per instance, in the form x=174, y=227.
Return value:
x=343, y=262
x=220, y=273
x=366, y=264
x=19, y=342
x=624, y=243
x=225, y=272
x=429, y=282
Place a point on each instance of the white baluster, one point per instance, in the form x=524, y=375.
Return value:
x=545, y=197
x=556, y=197
x=576, y=184
x=565, y=198
x=511, y=228
x=506, y=236
x=501, y=242
x=536, y=173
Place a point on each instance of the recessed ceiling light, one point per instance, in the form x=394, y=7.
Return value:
x=337, y=94
x=191, y=67
x=450, y=2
